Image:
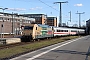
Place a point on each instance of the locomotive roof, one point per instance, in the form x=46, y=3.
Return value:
x=42, y=25
x=70, y=27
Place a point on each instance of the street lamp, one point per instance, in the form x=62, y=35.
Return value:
x=3, y=22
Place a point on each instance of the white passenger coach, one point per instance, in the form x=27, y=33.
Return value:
x=60, y=31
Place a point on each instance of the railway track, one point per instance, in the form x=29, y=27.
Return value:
x=24, y=43
x=13, y=45
x=21, y=43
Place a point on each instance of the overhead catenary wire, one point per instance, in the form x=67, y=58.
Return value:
x=48, y=5
x=41, y=2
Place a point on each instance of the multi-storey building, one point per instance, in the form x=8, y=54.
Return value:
x=52, y=21
x=43, y=19
x=11, y=23
x=39, y=18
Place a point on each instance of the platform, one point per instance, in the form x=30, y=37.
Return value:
x=9, y=40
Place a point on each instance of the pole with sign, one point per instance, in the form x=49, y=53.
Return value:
x=1, y=30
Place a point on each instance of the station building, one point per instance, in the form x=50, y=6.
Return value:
x=43, y=19
x=11, y=23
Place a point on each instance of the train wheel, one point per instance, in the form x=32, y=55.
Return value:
x=38, y=39
x=47, y=38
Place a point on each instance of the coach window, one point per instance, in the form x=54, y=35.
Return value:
x=28, y=28
x=57, y=30
x=54, y=30
x=66, y=30
x=8, y=19
x=73, y=31
x=61, y=30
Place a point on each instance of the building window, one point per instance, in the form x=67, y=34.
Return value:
x=17, y=20
x=8, y=19
x=14, y=20
x=1, y=18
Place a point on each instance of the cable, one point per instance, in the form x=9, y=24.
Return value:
x=39, y=1
x=48, y=5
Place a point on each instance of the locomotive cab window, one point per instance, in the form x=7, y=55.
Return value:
x=36, y=28
x=28, y=28
x=52, y=28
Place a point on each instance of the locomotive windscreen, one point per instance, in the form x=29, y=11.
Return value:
x=28, y=27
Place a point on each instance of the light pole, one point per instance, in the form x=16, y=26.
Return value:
x=60, y=18
x=2, y=25
x=80, y=18
x=70, y=16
